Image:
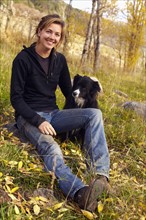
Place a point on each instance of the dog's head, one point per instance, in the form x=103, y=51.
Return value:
x=85, y=89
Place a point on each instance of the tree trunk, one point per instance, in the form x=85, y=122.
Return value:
x=136, y=20
x=98, y=37
x=88, y=35
x=66, y=40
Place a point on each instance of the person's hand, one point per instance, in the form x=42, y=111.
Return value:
x=46, y=128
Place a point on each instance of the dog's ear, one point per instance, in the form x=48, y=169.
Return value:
x=76, y=79
x=95, y=88
x=98, y=86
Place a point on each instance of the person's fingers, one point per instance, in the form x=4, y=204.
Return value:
x=50, y=130
x=46, y=128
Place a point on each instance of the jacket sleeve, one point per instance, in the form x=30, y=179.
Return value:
x=18, y=80
x=65, y=80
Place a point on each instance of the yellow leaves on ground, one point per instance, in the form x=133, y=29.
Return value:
x=36, y=203
x=109, y=200
x=25, y=153
x=1, y=174
x=13, y=163
x=100, y=206
x=20, y=164
x=7, y=188
x=70, y=149
x=14, y=189
x=36, y=209
x=63, y=145
x=12, y=197
x=22, y=208
x=58, y=205
x=10, y=134
x=63, y=209
x=88, y=214
x=16, y=210
x=9, y=180
x=11, y=190
x=41, y=198
x=143, y=206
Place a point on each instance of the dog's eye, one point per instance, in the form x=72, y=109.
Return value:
x=84, y=91
x=83, y=87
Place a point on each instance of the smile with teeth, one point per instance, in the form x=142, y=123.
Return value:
x=50, y=41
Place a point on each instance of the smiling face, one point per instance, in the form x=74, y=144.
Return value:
x=50, y=36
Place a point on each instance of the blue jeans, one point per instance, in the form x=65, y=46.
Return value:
x=94, y=145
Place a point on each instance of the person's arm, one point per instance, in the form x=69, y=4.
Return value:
x=65, y=80
x=18, y=80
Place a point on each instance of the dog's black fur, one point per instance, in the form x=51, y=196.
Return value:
x=84, y=95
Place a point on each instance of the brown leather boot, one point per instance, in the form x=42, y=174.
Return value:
x=87, y=197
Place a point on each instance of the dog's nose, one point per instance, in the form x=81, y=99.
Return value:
x=75, y=93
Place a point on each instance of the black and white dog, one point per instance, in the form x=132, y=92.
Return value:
x=84, y=94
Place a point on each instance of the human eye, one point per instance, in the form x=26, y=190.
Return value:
x=58, y=34
x=48, y=31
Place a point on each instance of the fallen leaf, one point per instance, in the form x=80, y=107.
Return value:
x=20, y=164
x=28, y=211
x=60, y=216
x=88, y=214
x=58, y=205
x=14, y=189
x=36, y=209
x=12, y=197
x=13, y=163
x=8, y=188
x=10, y=134
x=43, y=199
x=109, y=200
x=100, y=206
x=16, y=210
x=63, y=145
x=32, y=165
x=115, y=165
x=63, y=210
x=22, y=209
x=67, y=152
x=9, y=179
x=143, y=206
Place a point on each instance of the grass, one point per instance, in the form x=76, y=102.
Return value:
x=22, y=170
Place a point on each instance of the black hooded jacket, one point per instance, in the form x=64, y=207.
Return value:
x=32, y=89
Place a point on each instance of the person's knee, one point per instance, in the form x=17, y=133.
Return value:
x=95, y=113
x=46, y=139
x=44, y=143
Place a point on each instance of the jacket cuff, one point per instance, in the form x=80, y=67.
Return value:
x=37, y=120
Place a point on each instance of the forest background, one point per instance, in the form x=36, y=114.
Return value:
x=96, y=44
